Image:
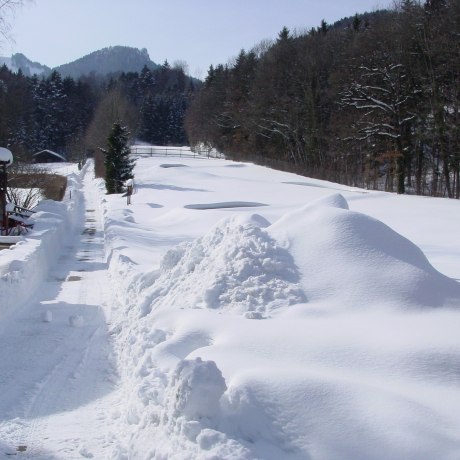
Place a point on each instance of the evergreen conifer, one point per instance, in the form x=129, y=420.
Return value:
x=118, y=166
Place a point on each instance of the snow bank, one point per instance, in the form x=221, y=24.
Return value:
x=24, y=266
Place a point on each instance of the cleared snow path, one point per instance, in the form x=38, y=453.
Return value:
x=56, y=380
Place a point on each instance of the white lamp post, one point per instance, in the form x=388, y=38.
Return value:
x=6, y=159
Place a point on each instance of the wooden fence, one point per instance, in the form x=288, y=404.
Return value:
x=167, y=151
x=153, y=150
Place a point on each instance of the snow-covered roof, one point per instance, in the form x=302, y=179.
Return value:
x=6, y=156
x=57, y=155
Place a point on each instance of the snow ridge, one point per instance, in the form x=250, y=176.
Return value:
x=24, y=266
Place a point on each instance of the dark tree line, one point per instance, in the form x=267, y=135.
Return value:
x=74, y=117
x=371, y=101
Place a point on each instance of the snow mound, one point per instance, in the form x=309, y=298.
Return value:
x=195, y=390
x=357, y=260
x=47, y=316
x=76, y=321
x=235, y=266
x=336, y=200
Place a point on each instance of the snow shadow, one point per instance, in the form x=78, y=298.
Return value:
x=170, y=187
x=225, y=204
x=84, y=258
x=173, y=165
x=154, y=205
x=85, y=264
x=310, y=184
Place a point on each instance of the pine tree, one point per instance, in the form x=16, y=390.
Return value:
x=118, y=166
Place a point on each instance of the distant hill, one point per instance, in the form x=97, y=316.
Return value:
x=114, y=59
x=19, y=62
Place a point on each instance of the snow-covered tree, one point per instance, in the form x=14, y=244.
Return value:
x=118, y=165
x=382, y=93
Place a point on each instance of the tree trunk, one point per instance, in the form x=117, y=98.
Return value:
x=400, y=168
x=419, y=171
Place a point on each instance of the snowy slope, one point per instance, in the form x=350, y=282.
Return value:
x=250, y=314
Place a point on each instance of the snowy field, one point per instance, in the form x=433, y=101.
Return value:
x=236, y=312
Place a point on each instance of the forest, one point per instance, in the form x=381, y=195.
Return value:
x=73, y=117
x=371, y=101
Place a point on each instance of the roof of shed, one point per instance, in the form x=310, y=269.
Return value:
x=51, y=153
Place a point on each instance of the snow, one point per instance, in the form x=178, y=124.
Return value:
x=6, y=156
x=25, y=265
x=373, y=265
x=236, y=266
x=232, y=312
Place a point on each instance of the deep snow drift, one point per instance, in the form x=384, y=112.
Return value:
x=358, y=262
x=295, y=328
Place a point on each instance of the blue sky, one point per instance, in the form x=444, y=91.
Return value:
x=199, y=32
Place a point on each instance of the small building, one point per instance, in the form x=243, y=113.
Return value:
x=47, y=156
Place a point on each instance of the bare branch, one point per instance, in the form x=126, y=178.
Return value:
x=7, y=9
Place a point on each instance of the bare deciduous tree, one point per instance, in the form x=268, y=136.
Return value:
x=29, y=184
x=113, y=107
x=7, y=9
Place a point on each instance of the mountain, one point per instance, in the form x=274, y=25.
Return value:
x=113, y=59
x=19, y=62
